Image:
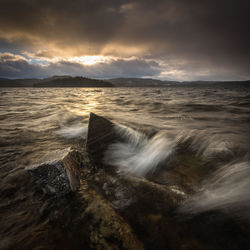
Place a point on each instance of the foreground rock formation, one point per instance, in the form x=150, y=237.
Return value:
x=58, y=172
x=100, y=135
x=70, y=199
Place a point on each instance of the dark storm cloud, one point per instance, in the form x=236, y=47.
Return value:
x=200, y=38
x=14, y=66
x=62, y=22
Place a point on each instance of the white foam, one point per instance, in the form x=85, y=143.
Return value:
x=227, y=189
x=75, y=131
x=138, y=155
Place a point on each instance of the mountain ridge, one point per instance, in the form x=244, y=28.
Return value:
x=79, y=81
x=55, y=82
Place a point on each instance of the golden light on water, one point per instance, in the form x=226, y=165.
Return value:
x=87, y=102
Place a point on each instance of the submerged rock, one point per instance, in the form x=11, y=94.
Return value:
x=107, y=229
x=58, y=172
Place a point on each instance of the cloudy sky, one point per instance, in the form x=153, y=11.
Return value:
x=164, y=39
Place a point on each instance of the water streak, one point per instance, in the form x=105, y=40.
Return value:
x=139, y=155
x=228, y=190
x=74, y=131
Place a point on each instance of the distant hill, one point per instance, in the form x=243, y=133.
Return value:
x=55, y=82
x=139, y=82
x=66, y=81
x=17, y=82
x=72, y=82
x=149, y=82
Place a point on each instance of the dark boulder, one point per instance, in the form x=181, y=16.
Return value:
x=58, y=172
x=101, y=134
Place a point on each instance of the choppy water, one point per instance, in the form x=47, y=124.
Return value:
x=210, y=123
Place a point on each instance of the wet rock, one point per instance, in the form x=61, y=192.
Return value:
x=124, y=192
x=101, y=134
x=121, y=190
x=57, y=172
x=110, y=210
x=150, y=206
x=107, y=230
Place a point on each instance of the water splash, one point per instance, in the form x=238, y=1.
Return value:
x=210, y=145
x=75, y=131
x=228, y=189
x=138, y=155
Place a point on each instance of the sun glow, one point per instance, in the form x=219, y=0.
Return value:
x=89, y=60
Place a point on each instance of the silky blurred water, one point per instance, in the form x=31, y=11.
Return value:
x=36, y=121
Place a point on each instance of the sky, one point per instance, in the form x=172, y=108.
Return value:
x=164, y=39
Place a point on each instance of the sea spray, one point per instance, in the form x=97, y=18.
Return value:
x=138, y=155
x=74, y=131
x=205, y=144
x=130, y=135
x=228, y=190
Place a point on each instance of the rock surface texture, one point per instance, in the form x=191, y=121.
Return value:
x=58, y=172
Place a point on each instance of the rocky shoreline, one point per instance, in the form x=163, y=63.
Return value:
x=70, y=199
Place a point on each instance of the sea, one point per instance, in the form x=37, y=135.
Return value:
x=207, y=125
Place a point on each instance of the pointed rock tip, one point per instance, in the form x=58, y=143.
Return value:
x=100, y=134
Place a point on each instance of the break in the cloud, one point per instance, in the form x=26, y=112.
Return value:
x=168, y=39
x=16, y=66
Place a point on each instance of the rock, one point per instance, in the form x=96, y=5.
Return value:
x=150, y=206
x=57, y=172
x=107, y=230
x=110, y=210
x=100, y=135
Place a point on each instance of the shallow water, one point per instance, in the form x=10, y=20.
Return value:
x=212, y=122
